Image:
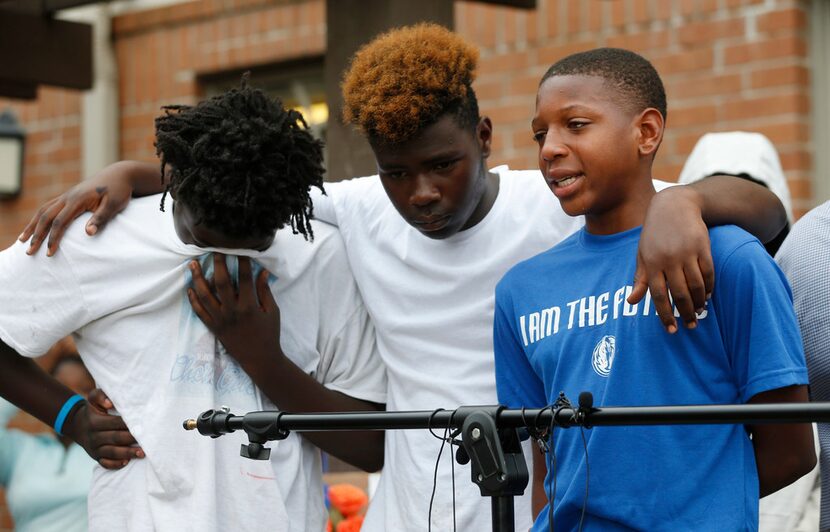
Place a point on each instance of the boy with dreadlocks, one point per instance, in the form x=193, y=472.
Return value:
x=429, y=237
x=238, y=168
x=599, y=121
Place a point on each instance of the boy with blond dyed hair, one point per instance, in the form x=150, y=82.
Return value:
x=598, y=123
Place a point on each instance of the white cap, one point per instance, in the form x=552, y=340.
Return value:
x=738, y=152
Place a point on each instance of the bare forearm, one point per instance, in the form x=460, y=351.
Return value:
x=292, y=390
x=143, y=177
x=783, y=453
x=24, y=384
x=732, y=200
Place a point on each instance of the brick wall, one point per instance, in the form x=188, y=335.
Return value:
x=52, y=155
x=726, y=64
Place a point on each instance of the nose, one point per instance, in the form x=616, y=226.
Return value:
x=424, y=191
x=552, y=148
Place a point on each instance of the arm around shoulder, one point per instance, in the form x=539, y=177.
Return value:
x=741, y=202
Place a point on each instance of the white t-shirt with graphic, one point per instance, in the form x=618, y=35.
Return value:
x=124, y=295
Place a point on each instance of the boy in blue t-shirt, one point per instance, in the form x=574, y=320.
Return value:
x=562, y=323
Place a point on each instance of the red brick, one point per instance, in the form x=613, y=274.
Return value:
x=524, y=86
x=689, y=116
x=736, y=3
x=502, y=63
x=785, y=19
x=547, y=55
x=491, y=89
x=702, y=85
x=618, y=17
x=574, y=9
x=796, y=160
x=513, y=113
x=530, y=23
x=787, y=132
x=640, y=11
x=555, y=13
x=800, y=188
x=595, y=15
x=773, y=77
x=695, y=33
x=486, y=30
x=523, y=138
x=687, y=61
x=787, y=46
x=792, y=103
x=640, y=42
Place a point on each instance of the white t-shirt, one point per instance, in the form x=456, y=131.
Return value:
x=432, y=304
x=123, y=294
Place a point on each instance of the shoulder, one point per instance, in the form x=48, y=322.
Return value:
x=530, y=271
x=356, y=188
x=325, y=247
x=808, y=238
x=730, y=239
x=741, y=259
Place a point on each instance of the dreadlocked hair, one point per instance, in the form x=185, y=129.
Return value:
x=407, y=79
x=241, y=163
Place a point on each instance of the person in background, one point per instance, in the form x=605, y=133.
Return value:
x=46, y=476
x=752, y=156
x=805, y=259
x=741, y=154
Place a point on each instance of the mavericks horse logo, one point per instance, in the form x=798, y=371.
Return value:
x=603, y=356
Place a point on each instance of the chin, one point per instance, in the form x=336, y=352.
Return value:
x=573, y=209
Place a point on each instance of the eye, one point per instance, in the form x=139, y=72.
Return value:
x=395, y=176
x=577, y=124
x=444, y=165
x=539, y=137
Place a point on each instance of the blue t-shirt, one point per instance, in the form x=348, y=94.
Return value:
x=562, y=324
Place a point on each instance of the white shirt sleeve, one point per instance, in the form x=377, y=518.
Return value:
x=40, y=300
x=349, y=360
x=351, y=364
x=324, y=204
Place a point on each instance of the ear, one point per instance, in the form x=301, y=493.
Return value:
x=650, y=126
x=484, y=135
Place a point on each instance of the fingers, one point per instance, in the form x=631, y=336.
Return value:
x=44, y=223
x=246, y=282
x=111, y=457
x=222, y=279
x=640, y=285
x=680, y=295
x=263, y=291
x=201, y=297
x=99, y=400
x=114, y=439
x=707, y=271
x=105, y=212
x=58, y=226
x=29, y=230
x=696, y=286
x=660, y=298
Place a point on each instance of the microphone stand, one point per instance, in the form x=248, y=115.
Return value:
x=490, y=438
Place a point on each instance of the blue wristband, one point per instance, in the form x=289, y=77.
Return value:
x=65, y=409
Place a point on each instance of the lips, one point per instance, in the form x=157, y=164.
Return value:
x=563, y=181
x=431, y=223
